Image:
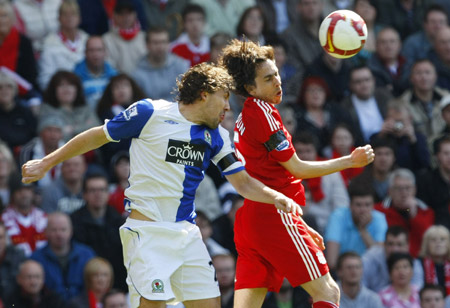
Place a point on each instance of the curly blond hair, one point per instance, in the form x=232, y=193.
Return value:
x=202, y=77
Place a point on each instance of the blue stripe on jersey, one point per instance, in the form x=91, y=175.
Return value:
x=130, y=122
x=193, y=175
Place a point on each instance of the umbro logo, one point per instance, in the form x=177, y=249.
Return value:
x=171, y=122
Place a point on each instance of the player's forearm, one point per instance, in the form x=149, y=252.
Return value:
x=313, y=169
x=252, y=189
x=80, y=144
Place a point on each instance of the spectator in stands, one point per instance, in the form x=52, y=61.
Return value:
x=31, y=291
x=207, y=198
x=375, y=273
x=66, y=193
x=119, y=94
x=63, y=259
x=301, y=36
x=157, y=72
x=405, y=16
x=400, y=293
x=64, y=98
x=287, y=113
x=16, y=52
x=223, y=15
x=17, y=123
x=217, y=42
x=253, y=26
x=440, y=56
x=49, y=139
x=411, y=146
x=316, y=114
x=280, y=14
x=8, y=168
x=37, y=19
x=367, y=104
x=120, y=165
x=368, y=10
x=417, y=45
x=335, y=72
x=353, y=292
x=333, y=5
x=355, y=228
x=342, y=143
x=98, y=280
x=288, y=296
x=94, y=71
x=204, y=224
x=377, y=173
x=165, y=13
x=389, y=67
x=62, y=50
x=125, y=42
x=193, y=44
x=225, y=265
x=25, y=223
x=290, y=76
x=432, y=296
x=433, y=186
x=115, y=299
x=10, y=259
x=223, y=227
x=96, y=15
x=435, y=257
x=97, y=225
x=323, y=194
x=445, y=113
x=423, y=98
x=403, y=208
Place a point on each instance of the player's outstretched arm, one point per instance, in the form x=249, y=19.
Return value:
x=253, y=189
x=301, y=169
x=93, y=138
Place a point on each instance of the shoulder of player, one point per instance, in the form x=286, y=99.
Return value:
x=261, y=112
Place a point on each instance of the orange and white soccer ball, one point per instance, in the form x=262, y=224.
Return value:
x=343, y=34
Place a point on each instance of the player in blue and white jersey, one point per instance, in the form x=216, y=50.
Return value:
x=172, y=146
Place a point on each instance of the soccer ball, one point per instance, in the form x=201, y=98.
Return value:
x=343, y=34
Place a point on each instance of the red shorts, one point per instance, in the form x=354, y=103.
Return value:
x=272, y=245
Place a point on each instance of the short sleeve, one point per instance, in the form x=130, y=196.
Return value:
x=225, y=158
x=130, y=122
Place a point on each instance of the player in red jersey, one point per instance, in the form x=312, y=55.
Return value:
x=272, y=244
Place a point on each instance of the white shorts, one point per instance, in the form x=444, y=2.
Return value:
x=166, y=261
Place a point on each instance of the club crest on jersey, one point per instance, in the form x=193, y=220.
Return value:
x=207, y=137
x=157, y=286
x=130, y=112
x=283, y=145
x=185, y=153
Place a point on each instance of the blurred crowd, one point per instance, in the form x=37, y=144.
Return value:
x=69, y=65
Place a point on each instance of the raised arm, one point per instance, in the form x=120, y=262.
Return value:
x=360, y=157
x=91, y=139
x=253, y=189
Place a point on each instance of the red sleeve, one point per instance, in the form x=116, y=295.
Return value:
x=264, y=122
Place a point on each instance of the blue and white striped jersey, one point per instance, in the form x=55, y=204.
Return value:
x=168, y=158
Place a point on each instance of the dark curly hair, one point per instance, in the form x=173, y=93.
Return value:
x=202, y=77
x=241, y=59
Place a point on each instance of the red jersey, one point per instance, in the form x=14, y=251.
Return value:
x=260, y=137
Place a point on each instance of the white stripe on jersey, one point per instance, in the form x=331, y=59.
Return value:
x=267, y=112
x=301, y=246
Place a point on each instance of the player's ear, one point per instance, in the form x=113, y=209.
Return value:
x=249, y=88
x=203, y=95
